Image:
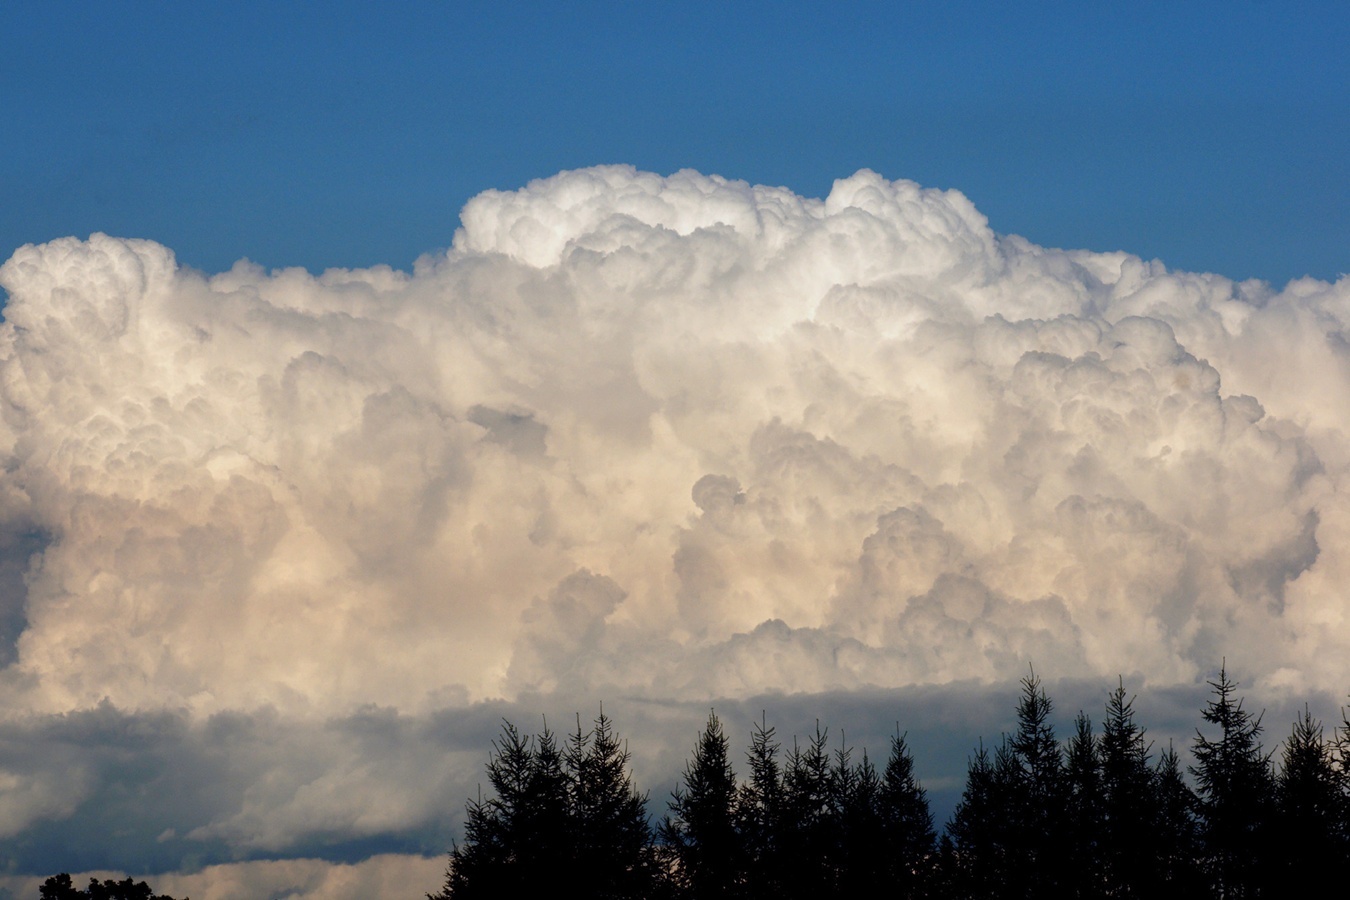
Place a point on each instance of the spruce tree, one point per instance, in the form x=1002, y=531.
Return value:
x=1086, y=876
x=1311, y=842
x=1178, y=862
x=759, y=814
x=906, y=824
x=517, y=838
x=1236, y=790
x=1034, y=773
x=700, y=830
x=806, y=825
x=976, y=859
x=861, y=855
x=1130, y=847
x=609, y=824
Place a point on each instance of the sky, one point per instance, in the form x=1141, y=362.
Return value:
x=369, y=376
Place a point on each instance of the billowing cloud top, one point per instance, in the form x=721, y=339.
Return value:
x=277, y=550
x=680, y=436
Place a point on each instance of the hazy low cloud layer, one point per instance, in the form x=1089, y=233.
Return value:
x=677, y=439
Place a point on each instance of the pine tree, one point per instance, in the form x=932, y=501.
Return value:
x=517, y=839
x=546, y=827
x=487, y=860
x=976, y=862
x=759, y=814
x=1178, y=861
x=1236, y=790
x=906, y=824
x=1034, y=771
x=1311, y=840
x=1086, y=876
x=700, y=830
x=860, y=853
x=805, y=827
x=611, y=831
x=1130, y=849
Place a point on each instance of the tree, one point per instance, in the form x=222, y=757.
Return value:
x=759, y=814
x=611, y=832
x=491, y=857
x=1178, y=872
x=700, y=830
x=907, y=834
x=1311, y=836
x=1236, y=791
x=860, y=857
x=552, y=817
x=1034, y=770
x=978, y=834
x=806, y=826
x=1130, y=848
x=59, y=887
x=1085, y=876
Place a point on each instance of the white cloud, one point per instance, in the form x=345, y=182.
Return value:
x=672, y=438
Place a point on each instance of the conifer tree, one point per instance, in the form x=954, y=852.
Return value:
x=1178, y=871
x=488, y=856
x=1311, y=839
x=611, y=832
x=1236, y=790
x=1086, y=876
x=700, y=830
x=906, y=824
x=515, y=838
x=1034, y=772
x=859, y=849
x=552, y=817
x=977, y=834
x=805, y=828
x=759, y=814
x=1130, y=812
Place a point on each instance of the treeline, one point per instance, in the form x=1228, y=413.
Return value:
x=1096, y=815
x=60, y=887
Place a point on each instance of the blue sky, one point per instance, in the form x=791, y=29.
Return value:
x=1215, y=137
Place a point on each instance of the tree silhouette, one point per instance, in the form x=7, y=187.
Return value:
x=1130, y=848
x=978, y=834
x=700, y=829
x=1086, y=875
x=612, y=835
x=1236, y=790
x=552, y=817
x=59, y=887
x=1311, y=836
x=858, y=842
x=759, y=814
x=1178, y=872
x=906, y=823
x=806, y=824
x=1034, y=771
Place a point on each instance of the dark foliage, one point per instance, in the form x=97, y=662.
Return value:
x=1094, y=817
x=1310, y=839
x=759, y=815
x=1084, y=848
x=1237, y=793
x=1130, y=849
x=700, y=832
x=555, y=817
x=908, y=842
x=59, y=887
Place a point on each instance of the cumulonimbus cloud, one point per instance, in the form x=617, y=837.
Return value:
x=676, y=437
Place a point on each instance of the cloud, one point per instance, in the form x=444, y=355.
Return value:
x=676, y=439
